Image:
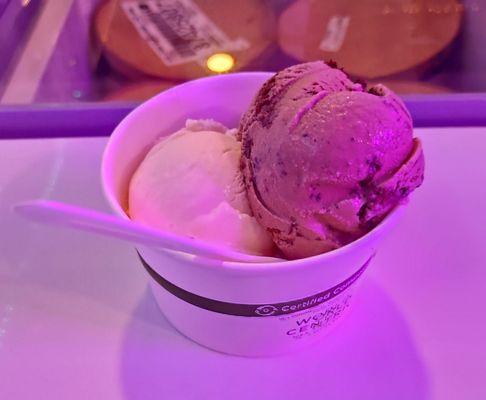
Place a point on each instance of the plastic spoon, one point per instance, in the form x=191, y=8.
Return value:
x=70, y=216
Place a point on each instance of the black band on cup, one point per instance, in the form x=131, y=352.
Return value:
x=254, y=310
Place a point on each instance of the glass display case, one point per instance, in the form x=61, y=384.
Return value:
x=103, y=57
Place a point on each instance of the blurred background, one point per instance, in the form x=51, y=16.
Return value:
x=99, y=51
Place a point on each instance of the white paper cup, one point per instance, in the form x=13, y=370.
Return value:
x=237, y=308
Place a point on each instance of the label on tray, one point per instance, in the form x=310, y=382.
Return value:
x=178, y=30
x=337, y=27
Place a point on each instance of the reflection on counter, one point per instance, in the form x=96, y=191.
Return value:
x=138, y=91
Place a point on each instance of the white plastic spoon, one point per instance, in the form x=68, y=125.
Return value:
x=70, y=216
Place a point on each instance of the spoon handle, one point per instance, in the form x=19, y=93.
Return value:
x=65, y=215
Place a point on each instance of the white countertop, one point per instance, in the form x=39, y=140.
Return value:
x=77, y=320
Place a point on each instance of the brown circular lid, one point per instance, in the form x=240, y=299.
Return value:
x=174, y=39
x=369, y=38
x=139, y=91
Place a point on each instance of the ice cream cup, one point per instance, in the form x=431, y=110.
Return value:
x=238, y=308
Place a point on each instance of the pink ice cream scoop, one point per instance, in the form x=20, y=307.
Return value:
x=323, y=159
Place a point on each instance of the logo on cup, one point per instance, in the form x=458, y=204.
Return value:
x=266, y=310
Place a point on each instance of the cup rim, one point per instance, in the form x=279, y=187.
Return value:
x=204, y=262
x=286, y=265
